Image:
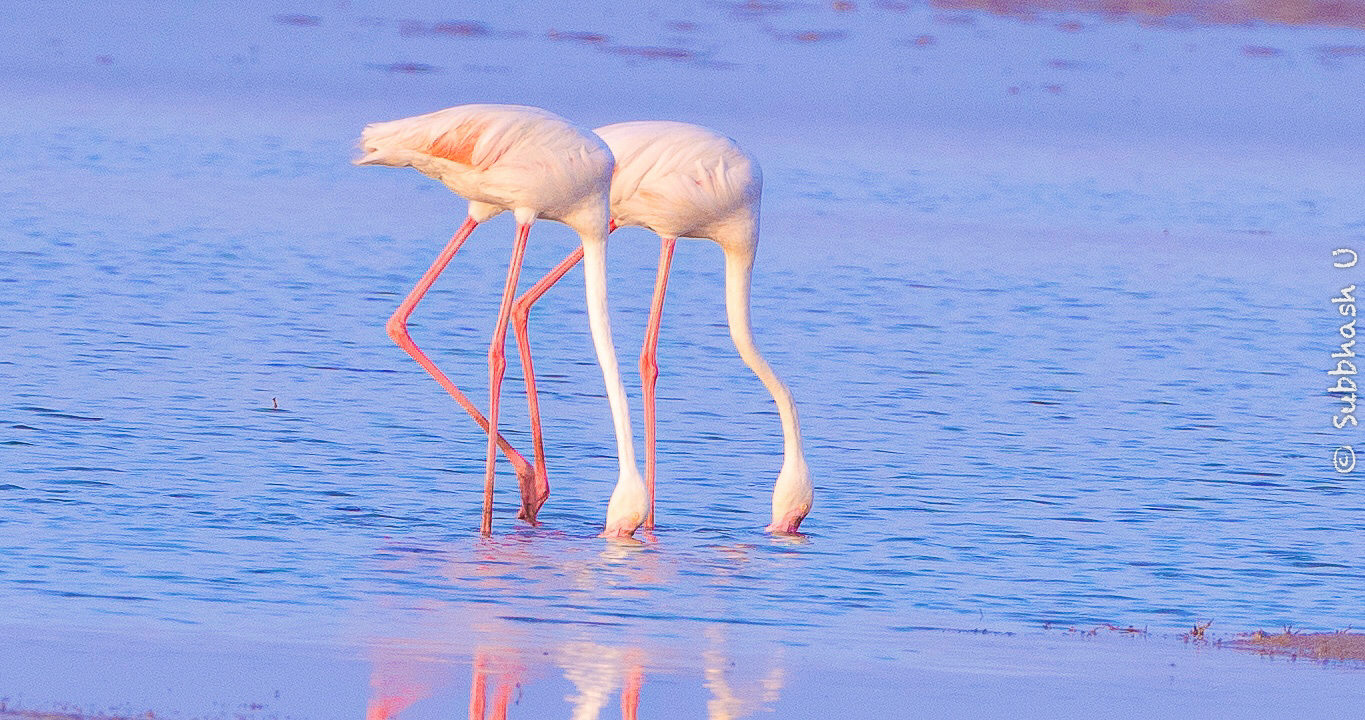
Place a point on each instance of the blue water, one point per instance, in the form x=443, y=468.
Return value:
x=1042, y=382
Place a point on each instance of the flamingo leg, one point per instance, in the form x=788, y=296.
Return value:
x=649, y=366
x=478, y=690
x=501, y=697
x=521, y=316
x=630, y=694
x=397, y=328
x=497, y=366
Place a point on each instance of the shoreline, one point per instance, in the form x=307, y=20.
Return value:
x=965, y=673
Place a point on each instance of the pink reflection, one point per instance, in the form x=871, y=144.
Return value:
x=599, y=674
x=525, y=659
x=1330, y=13
x=394, y=685
x=506, y=676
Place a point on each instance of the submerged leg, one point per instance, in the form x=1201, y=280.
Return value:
x=649, y=365
x=521, y=315
x=497, y=365
x=398, y=330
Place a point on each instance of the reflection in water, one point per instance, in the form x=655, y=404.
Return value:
x=1331, y=13
x=726, y=703
x=595, y=671
x=506, y=676
x=514, y=659
x=395, y=683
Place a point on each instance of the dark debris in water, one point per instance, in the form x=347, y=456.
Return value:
x=445, y=28
x=963, y=631
x=589, y=38
x=1329, y=53
x=809, y=37
x=406, y=68
x=756, y=9
x=652, y=52
x=298, y=20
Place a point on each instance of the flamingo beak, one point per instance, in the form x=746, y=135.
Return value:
x=789, y=524
x=370, y=158
x=623, y=528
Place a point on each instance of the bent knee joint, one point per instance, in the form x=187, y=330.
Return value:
x=649, y=367
x=497, y=360
x=521, y=314
x=397, y=328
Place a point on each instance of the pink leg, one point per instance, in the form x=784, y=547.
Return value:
x=649, y=365
x=398, y=330
x=497, y=365
x=478, y=690
x=630, y=694
x=501, y=697
x=521, y=316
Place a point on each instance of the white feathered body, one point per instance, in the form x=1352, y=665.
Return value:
x=506, y=157
x=535, y=164
x=682, y=180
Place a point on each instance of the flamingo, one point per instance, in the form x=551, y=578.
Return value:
x=683, y=180
x=537, y=165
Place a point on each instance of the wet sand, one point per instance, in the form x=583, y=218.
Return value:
x=1059, y=673
x=1345, y=646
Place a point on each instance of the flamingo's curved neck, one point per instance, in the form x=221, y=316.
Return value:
x=739, y=264
x=595, y=282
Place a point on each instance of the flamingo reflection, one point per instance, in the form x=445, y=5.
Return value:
x=727, y=702
x=531, y=662
x=595, y=671
x=396, y=682
x=507, y=680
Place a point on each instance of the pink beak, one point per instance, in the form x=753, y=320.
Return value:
x=619, y=530
x=787, y=525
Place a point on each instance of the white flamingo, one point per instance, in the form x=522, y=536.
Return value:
x=682, y=180
x=536, y=165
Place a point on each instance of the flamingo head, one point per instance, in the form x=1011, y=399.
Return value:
x=793, y=496
x=627, y=507
x=383, y=144
x=375, y=154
